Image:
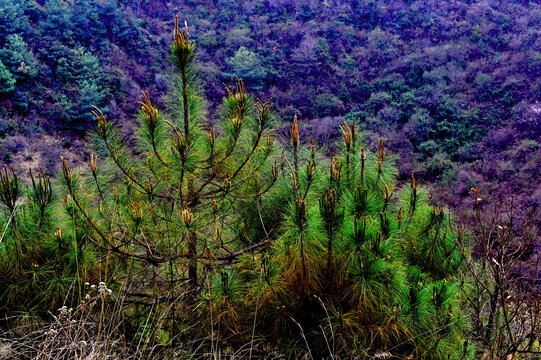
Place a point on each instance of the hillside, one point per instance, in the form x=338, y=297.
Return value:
x=454, y=84
x=278, y=179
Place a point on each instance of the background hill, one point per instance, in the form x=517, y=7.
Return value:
x=452, y=87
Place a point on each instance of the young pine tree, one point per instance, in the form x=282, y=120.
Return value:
x=355, y=271
x=42, y=266
x=184, y=197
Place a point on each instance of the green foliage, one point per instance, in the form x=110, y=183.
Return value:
x=18, y=58
x=41, y=266
x=211, y=233
x=57, y=24
x=358, y=271
x=247, y=64
x=328, y=104
x=12, y=18
x=84, y=80
x=7, y=81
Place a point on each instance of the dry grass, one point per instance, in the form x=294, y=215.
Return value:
x=88, y=332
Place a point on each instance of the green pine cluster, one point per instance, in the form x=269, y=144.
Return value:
x=213, y=230
x=41, y=266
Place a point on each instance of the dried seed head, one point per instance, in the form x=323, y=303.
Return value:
x=313, y=150
x=383, y=355
x=102, y=121
x=58, y=234
x=237, y=96
x=346, y=132
x=180, y=145
x=381, y=155
x=93, y=163
x=211, y=134
x=335, y=170
x=149, y=111
x=295, y=132
x=66, y=170
x=413, y=184
x=363, y=154
x=181, y=45
x=263, y=110
x=136, y=211
x=187, y=216
x=275, y=171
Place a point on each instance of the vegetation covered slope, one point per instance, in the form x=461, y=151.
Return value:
x=207, y=239
x=453, y=86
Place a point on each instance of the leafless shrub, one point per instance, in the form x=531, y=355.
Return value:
x=504, y=295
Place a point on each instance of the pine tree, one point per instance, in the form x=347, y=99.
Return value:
x=186, y=198
x=42, y=267
x=356, y=271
